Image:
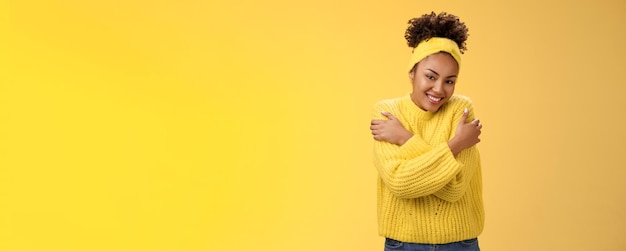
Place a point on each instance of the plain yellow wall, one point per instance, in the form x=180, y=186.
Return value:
x=243, y=125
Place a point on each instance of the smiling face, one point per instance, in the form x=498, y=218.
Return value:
x=433, y=81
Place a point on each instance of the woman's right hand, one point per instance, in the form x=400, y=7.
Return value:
x=390, y=130
x=466, y=134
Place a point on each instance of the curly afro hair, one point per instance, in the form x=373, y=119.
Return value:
x=436, y=25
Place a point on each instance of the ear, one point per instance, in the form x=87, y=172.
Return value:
x=412, y=72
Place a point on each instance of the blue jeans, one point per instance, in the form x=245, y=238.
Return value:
x=466, y=245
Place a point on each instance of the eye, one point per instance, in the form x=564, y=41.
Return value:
x=431, y=77
x=450, y=82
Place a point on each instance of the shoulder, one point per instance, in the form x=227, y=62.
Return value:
x=391, y=105
x=457, y=104
x=460, y=101
x=388, y=103
x=457, y=98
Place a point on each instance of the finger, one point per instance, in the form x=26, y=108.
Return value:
x=480, y=126
x=475, y=121
x=388, y=115
x=377, y=121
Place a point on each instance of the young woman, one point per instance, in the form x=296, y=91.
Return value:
x=429, y=186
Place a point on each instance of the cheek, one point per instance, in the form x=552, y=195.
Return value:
x=416, y=84
x=450, y=89
x=420, y=84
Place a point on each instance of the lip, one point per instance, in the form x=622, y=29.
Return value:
x=435, y=102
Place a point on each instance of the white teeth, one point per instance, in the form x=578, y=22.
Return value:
x=434, y=99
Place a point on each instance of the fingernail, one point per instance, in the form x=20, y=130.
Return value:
x=466, y=110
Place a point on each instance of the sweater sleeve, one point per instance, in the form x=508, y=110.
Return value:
x=415, y=177
x=456, y=188
x=470, y=159
x=414, y=169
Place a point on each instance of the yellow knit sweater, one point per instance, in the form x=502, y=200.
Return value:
x=425, y=194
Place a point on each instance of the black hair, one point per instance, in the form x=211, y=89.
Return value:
x=436, y=25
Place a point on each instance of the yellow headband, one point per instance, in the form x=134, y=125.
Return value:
x=434, y=45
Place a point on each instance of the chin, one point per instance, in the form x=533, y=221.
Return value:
x=434, y=108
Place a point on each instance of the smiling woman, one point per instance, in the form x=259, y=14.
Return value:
x=240, y=125
x=433, y=81
x=430, y=186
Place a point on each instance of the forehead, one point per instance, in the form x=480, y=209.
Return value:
x=440, y=62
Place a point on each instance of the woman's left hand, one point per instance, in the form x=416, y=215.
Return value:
x=390, y=130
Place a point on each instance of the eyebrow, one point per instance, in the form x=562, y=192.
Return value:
x=451, y=76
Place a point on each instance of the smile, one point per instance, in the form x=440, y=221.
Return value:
x=433, y=99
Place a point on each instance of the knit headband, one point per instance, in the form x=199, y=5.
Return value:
x=434, y=45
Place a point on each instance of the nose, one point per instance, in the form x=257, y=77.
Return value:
x=438, y=87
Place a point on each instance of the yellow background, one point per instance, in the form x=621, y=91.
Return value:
x=243, y=125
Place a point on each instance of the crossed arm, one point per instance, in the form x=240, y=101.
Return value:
x=411, y=168
x=392, y=131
